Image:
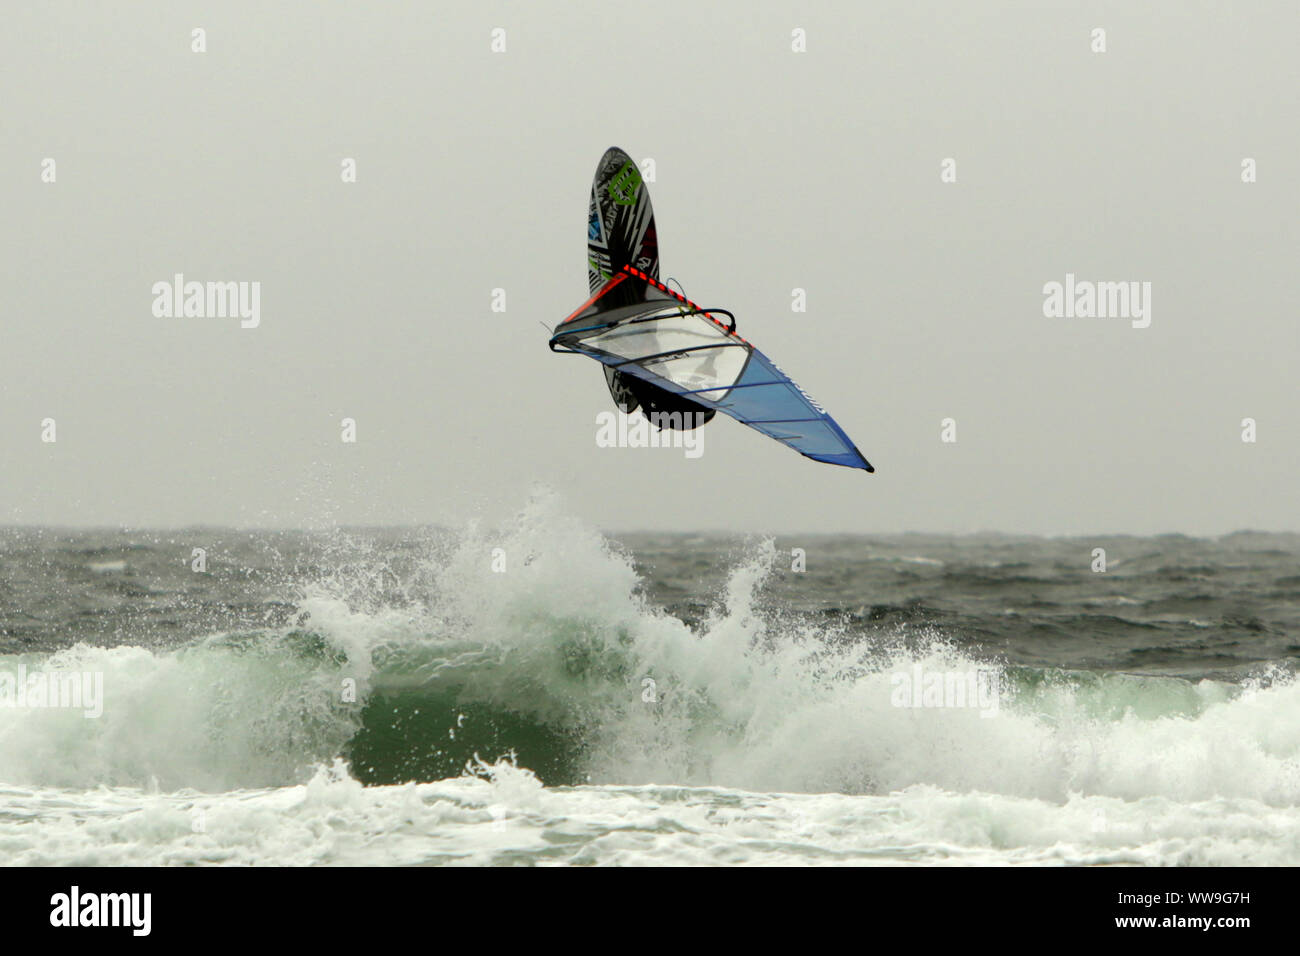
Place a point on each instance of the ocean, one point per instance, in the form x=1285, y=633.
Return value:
x=538, y=692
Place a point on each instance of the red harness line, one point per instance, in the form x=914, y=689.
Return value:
x=629, y=270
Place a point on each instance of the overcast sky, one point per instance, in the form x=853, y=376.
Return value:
x=773, y=170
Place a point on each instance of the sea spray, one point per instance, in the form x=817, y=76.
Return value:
x=548, y=658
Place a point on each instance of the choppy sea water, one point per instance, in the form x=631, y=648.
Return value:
x=540, y=693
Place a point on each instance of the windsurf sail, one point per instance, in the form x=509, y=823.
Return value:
x=637, y=326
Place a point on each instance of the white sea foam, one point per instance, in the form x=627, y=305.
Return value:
x=506, y=816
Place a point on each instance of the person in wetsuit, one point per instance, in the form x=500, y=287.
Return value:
x=659, y=406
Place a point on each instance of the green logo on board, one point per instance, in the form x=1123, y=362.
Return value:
x=623, y=187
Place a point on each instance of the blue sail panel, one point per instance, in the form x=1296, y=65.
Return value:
x=769, y=401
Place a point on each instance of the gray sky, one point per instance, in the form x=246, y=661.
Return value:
x=774, y=170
